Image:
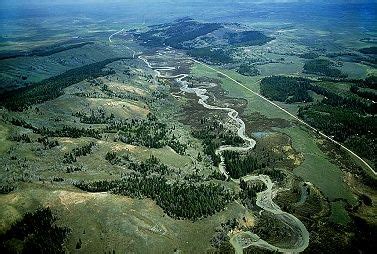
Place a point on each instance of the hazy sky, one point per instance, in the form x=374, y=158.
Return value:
x=4, y=3
x=27, y=4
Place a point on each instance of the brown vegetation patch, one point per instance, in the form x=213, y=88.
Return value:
x=256, y=122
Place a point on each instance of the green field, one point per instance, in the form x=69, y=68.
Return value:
x=338, y=214
x=106, y=222
x=316, y=167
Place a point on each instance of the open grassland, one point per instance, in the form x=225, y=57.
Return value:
x=238, y=92
x=106, y=222
x=316, y=167
x=281, y=68
x=20, y=71
x=167, y=156
x=355, y=70
x=338, y=214
x=62, y=111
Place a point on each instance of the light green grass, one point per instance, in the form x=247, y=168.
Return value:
x=166, y=155
x=255, y=104
x=105, y=222
x=317, y=168
x=280, y=68
x=339, y=214
x=339, y=88
x=354, y=70
x=342, y=89
x=372, y=71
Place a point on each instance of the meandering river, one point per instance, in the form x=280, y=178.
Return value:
x=243, y=239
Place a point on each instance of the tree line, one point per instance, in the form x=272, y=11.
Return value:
x=179, y=199
x=71, y=132
x=370, y=95
x=323, y=67
x=176, y=33
x=51, y=88
x=248, y=38
x=357, y=131
x=237, y=165
x=94, y=117
x=286, y=89
x=248, y=69
x=295, y=89
x=35, y=233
